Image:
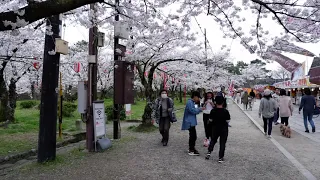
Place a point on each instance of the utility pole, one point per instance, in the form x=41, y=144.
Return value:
x=92, y=81
x=49, y=93
x=205, y=46
x=116, y=108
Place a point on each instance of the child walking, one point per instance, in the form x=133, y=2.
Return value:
x=190, y=121
x=220, y=118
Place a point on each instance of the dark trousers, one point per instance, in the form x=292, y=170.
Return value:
x=192, y=138
x=164, y=126
x=285, y=121
x=276, y=116
x=207, y=128
x=223, y=134
x=267, y=124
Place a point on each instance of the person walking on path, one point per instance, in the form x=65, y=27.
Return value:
x=252, y=96
x=190, y=121
x=208, y=105
x=238, y=97
x=308, y=104
x=267, y=109
x=245, y=100
x=163, y=114
x=220, y=118
x=285, y=107
x=276, y=96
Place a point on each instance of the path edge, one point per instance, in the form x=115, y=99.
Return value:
x=306, y=173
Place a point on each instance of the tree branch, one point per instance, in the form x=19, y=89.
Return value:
x=277, y=17
x=39, y=10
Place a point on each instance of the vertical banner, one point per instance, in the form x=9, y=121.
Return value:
x=299, y=72
x=314, y=71
x=185, y=89
x=164, y=78
x=231, y=88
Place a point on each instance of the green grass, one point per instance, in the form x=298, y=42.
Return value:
x=23, y=134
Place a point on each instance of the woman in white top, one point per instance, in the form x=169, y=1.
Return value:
x=285, y=107
x=208, y=105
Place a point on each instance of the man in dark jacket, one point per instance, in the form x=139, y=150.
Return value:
x=308, y=104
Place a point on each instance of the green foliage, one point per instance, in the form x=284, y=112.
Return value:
x=109, y=112
x=68, y=108
x=28, y=104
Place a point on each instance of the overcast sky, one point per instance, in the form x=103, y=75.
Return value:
x=73, y=34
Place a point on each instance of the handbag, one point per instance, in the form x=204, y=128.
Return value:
x=172, y=114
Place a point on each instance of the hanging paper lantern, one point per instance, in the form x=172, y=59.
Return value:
x=154, y=76
x=146, y=74
x=105, y=71
x=76, y=67
x=36, y=65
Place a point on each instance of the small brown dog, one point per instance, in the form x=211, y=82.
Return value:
x=285, y=130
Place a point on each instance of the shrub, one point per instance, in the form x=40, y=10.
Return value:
x=28, y=104
x=109, y=113
x=68, y=108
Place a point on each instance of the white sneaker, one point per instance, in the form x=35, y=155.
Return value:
x=269, y=136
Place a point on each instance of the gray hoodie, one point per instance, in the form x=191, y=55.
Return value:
x=267, y=107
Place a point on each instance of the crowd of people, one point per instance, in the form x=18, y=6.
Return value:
x=216, y=119
x=276, y=104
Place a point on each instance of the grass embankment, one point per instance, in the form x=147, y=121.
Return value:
x=23, y=134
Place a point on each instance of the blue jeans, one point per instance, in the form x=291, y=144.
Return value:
x=307, y=116
x=267, y=124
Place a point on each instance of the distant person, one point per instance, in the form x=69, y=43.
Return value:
x=220, y=118
x=245, y=100
x=163, y=114
x=308, y=104
x=276, y=96
x=285, y=107
x=190, y=121
x=267, y=109
x=238, y=97
x=252, y=94
x=208, y=105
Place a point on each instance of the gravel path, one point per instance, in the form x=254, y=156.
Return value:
x=249, y=155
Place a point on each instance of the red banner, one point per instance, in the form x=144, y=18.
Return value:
x=289, y=64
x=76, y=67
x=314, y=71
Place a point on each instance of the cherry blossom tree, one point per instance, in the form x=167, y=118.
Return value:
x=16, y=50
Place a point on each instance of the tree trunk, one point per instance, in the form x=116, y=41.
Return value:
x=3, y=99
x=146, y=118
x=12, y=100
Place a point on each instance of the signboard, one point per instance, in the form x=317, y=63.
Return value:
x=128, y=110
x=99, y=119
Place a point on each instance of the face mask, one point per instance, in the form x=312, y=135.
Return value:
x=164, y=96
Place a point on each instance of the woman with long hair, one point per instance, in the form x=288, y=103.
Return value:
x=285, y=107
x=208, y=105
x=268, y=107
